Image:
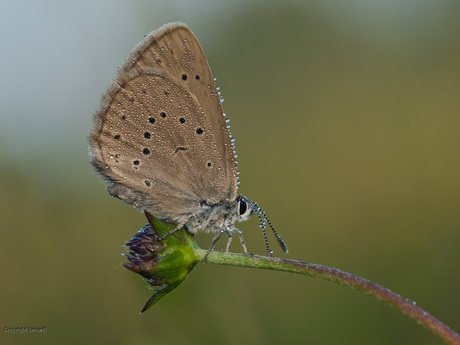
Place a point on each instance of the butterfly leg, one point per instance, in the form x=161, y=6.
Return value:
x=229, y=241
x=170, y=232
x=240, y=234
x=214, y=240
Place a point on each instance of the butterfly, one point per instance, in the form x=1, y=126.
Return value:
x=161, y=139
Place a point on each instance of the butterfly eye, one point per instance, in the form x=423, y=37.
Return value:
x=243, y=207
x=244, y=210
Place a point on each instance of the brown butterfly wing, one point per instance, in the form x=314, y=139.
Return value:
x=160, y=136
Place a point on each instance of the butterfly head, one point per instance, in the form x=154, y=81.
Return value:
x=247, y=208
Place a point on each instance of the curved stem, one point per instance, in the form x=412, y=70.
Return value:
x=406, y=306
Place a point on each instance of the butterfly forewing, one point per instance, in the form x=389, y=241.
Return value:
x=161, y=121
x=175, y=50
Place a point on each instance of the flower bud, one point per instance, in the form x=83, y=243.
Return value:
x=164, y=262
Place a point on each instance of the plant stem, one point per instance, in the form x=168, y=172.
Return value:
x=407, y=307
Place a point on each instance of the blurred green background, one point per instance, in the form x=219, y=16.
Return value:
x=346, y=115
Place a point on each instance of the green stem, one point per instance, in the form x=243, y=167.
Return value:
x=407, y=307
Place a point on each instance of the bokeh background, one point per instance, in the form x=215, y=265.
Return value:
x=347, y=120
